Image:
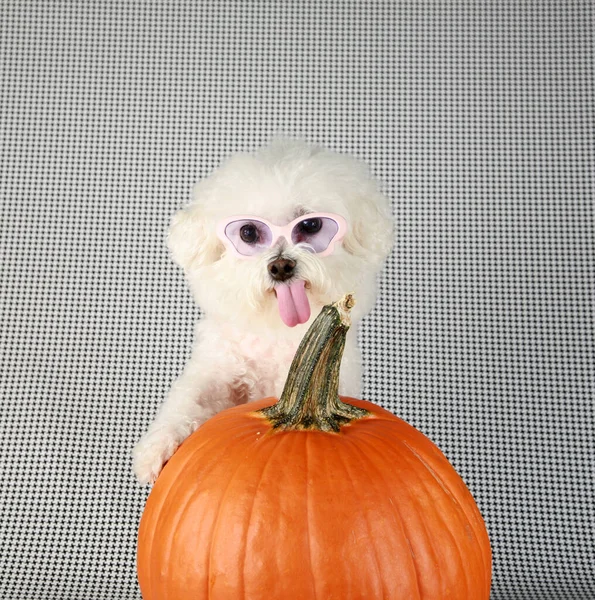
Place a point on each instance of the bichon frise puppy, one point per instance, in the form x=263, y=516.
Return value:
x=267, y=241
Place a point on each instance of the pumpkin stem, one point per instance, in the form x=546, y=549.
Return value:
x=310, y=398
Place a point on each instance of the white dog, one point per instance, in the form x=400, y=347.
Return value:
x=268, y=239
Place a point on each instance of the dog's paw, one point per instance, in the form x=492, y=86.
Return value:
x=152, y=452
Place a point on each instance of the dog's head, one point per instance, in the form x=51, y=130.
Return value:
x=288, y=277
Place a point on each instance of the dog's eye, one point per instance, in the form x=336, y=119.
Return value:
x=249, y=233
x=311, y=225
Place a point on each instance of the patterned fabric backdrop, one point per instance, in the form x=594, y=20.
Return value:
x=478, y=118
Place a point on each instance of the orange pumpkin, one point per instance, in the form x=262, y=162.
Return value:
x=312, y=496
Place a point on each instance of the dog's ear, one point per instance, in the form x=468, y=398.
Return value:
x=370, y=233
x=192, y=239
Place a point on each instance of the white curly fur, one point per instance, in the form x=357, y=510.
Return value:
x=242, y=349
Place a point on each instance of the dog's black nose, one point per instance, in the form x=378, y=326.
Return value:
x=281, y=269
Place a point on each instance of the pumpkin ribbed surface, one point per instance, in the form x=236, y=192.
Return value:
x=375, y=511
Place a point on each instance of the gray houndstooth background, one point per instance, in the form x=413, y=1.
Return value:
x=478, y=117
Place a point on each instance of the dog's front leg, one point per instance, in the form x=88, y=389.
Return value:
x=205, y=387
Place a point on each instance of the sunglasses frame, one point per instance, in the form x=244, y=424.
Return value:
x=285, y=231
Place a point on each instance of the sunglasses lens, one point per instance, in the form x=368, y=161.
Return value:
x=316, y=233
x=249, y=237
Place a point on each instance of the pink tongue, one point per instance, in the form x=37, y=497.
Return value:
x=294, y=307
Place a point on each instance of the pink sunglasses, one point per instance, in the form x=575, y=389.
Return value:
x=248, y=236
